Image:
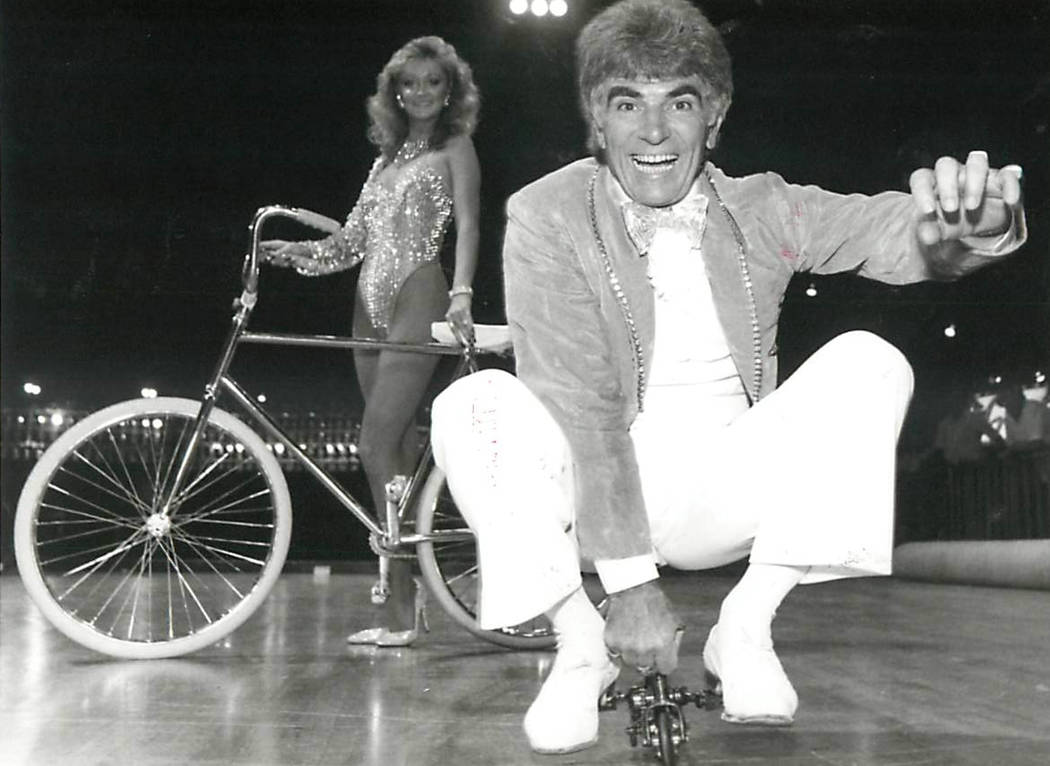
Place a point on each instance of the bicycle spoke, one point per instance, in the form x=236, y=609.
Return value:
x=87, y=518
x=208, y=511
x=124, y=466
x=189, y=490
x=184, y=586
x=105, y=511
x=123, y=497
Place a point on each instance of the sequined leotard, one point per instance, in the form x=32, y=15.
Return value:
x=393, y=231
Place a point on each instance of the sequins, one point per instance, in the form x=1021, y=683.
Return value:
x=396, y=230
x=628, y=316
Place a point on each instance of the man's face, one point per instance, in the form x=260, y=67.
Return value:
x=657, y=134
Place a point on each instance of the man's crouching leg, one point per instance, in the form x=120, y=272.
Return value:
x=509, y=469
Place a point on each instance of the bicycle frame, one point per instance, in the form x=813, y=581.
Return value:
x=388, y=532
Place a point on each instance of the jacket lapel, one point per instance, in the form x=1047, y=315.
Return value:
x=631, y=268
x=732, y=302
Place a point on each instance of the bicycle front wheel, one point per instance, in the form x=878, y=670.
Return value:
x=125, y=564
x=450, y=570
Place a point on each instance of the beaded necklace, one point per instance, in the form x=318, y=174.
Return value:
x=628, y=316
x=409, y=150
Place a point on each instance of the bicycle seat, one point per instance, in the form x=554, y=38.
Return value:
x=487, y=337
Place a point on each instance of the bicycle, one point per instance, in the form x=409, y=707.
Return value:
x=155, y=527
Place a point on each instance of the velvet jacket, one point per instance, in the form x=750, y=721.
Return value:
x=581, y=311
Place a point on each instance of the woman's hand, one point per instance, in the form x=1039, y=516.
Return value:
x=459, y=318
x=294, y=255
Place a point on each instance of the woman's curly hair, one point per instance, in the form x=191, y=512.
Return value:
x=388, y=123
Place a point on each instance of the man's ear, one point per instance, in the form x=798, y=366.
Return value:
x=713, y=130
x=597, y=121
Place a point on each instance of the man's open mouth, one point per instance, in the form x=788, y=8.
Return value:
x=654, y=164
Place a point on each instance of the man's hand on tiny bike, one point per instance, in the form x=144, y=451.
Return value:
x=643, y=630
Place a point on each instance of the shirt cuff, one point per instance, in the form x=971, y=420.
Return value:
x=1001, y=244
x=621, y=574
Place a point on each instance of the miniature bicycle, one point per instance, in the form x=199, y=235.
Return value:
x=155, y=527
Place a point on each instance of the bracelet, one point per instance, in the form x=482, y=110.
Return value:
x=461, y=290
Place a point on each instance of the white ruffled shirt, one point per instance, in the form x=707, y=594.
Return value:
x=692, y=374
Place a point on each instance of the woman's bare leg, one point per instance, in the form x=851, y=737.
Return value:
x=394, y=384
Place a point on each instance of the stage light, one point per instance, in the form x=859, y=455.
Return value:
x=31, y=388
x=149, y=393
x=1040, y=377
x=57, y=419
x=811, y=291
x=518, y=7
x=261, y=398
x=559, y=7
x=949, y=331
x=539, y=7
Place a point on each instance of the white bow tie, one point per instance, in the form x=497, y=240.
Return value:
x=688, y=216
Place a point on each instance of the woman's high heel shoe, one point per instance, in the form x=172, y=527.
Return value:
x=395, y=638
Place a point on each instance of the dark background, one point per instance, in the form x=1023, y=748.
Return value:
x=139, y=137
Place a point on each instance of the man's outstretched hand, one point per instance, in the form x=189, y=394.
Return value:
x=957, y=200
x=642, y=628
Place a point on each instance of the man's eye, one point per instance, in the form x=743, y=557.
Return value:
x=683, y=106
x=625, y=106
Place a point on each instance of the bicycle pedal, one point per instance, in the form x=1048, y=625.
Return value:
x=379, y=594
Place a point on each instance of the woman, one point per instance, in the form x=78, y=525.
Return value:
x=421, y=117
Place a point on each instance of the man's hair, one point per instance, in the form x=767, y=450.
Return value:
x=651, y=40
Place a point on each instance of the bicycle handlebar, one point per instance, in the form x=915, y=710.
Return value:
x=250, y=275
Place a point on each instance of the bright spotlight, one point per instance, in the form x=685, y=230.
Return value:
x=149, y=393
x=811, y=291
x=31, y=388
x=518, y=7
x=559, y=7
x=949, y=331
x=539, y=7
x=261, y=398
x=1040, y=377
x=57, y=419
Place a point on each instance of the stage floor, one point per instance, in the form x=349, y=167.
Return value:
x=888, y=672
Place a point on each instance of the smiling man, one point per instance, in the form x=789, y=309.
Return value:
x=645, y=427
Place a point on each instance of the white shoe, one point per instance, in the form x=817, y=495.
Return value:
x=755, y=688
x=564, y=716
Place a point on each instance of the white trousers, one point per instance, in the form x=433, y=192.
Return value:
x=804, y=478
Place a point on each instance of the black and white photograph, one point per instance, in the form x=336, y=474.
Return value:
x=498, y=382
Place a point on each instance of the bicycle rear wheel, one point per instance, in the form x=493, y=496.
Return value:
x=112, y=568
x=450, y=570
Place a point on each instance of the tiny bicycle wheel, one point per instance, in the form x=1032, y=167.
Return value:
x=121, y=564
x=666, y=748
x=450, y=569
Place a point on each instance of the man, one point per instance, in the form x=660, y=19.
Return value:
x=643, y=291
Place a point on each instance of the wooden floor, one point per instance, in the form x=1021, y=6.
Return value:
x=888, y=672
